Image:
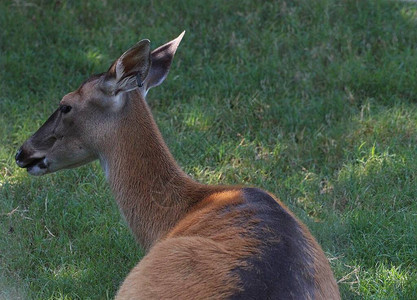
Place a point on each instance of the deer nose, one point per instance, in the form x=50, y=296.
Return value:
x=19, y=156
x=22, y=158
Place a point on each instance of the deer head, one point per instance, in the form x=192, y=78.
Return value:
x=86, y=120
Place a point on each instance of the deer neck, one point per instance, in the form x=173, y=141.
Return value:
x=152, y=191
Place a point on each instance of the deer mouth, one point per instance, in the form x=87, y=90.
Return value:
x=37, y=167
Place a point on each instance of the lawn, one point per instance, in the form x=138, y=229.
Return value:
x=314, y=101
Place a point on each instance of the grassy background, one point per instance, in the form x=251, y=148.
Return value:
x=311, y=100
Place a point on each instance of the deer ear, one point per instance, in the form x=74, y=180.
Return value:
x=161, y=62
x=128, y=69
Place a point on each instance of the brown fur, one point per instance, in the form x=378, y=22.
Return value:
x=327, y=288
x=194, y=261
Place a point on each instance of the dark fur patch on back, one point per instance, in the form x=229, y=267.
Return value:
x=284, y=268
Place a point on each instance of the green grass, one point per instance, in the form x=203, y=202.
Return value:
x=311, y=100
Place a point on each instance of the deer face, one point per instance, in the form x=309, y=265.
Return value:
x=87, y=119
x=70, y=135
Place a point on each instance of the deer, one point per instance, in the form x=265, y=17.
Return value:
x=200, y=241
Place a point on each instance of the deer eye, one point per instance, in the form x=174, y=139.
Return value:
x=65, y=109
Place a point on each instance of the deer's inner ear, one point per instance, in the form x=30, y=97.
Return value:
x=161, y=62
x=134, y=63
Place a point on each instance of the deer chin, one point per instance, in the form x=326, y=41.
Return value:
x=44, y=165
x=38, y=168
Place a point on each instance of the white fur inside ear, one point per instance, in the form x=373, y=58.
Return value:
x=127, y=84
x=119, y=70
